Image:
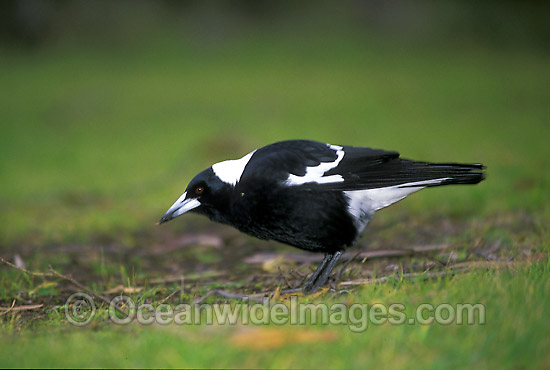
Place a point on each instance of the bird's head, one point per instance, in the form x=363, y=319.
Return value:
x=206, y=194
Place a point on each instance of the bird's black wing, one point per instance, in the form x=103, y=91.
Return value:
x=311, y=165
x=284, y=161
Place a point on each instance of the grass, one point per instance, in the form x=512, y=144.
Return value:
x=97, y=143
x=514, y=334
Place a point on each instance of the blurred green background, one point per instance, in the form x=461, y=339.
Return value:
x=109, y=108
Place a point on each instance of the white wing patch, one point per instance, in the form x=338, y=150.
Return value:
x=316, y=174
x=231, y=171
x=363, y=203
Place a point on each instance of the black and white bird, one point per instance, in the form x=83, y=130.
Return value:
x=310, y=195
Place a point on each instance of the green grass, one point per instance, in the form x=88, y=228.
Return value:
x=514, y=335
x=97, y=143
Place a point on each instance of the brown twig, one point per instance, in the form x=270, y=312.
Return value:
x=284, y=278
x=55, y=274
x=43, y=274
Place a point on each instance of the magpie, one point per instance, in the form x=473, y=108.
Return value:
x=311, y=195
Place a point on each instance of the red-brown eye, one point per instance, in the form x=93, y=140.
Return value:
x=199, y=190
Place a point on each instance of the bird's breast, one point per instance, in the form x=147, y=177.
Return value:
x=310, y=220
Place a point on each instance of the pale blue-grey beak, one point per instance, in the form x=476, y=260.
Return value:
x=181, y=206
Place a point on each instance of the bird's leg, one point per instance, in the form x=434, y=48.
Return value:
x=320, y=276
x=322, y=279
x=309, y=283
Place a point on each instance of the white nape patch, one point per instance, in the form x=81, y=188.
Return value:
x=231, y=171
x=315, y=174
x=363, y=203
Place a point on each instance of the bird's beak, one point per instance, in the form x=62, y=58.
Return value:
x=181, y=206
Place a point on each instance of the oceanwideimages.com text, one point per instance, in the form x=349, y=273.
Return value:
x=80, y=309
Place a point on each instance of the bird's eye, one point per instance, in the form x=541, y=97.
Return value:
x=199, y=190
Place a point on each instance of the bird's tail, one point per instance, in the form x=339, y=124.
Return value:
x=437, y=174
x=387, y=183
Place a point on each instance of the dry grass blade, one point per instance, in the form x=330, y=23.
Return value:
x=13, y=308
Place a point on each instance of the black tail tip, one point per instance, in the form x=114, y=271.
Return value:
x=480, y=166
